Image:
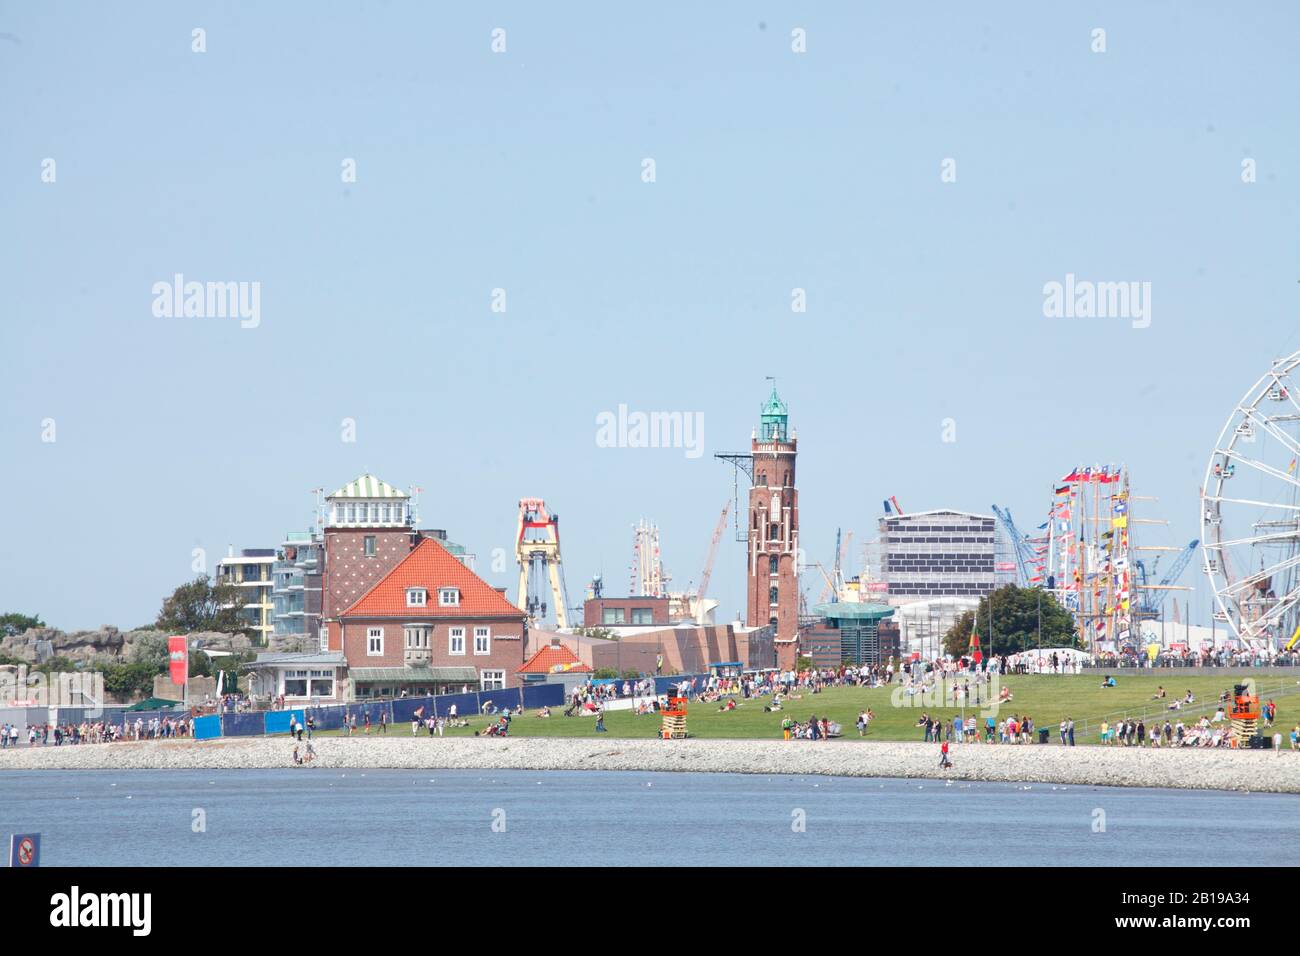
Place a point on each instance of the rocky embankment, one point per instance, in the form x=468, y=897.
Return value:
x=1097, y=766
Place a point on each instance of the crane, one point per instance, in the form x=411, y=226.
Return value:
x=537, y=551
x=1024, y=553
x=836, y=578
x=708, y=564
x=1157, y=600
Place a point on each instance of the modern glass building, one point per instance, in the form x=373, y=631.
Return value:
x=296, y=594
x=938, y=554
x=849, y=633
x=250, y=573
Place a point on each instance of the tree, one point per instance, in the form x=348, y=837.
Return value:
x=1015, y=624
x=13, y=624
x=202, y=605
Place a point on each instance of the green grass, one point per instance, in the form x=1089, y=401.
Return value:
x=1047, y=699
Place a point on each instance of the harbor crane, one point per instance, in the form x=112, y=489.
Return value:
x=537, y=551
x=700, y=612
x=1024, y=553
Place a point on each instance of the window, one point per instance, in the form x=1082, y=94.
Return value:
x=643, y=615
x=773, y=564
x=492, y=680
x=322, y=684
x=368, y=545
x=456, y=640
x=383, y=513
x=773, y=532
x=448, y=597
x=398, y=514
x=612, y=615
x=352, y=514
x=771, y=595
x=324, y=638
x=417, y=638
x=295, y=683
x=375, y=642
x=416, y=597
x=482, y=641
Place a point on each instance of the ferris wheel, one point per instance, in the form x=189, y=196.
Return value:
x=1250, y=511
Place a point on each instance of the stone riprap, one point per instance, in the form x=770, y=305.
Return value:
x=1100, y=766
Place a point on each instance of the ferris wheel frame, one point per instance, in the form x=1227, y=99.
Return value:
x=1241, y=428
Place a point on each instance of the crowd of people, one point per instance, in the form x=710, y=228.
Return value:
x=96, y=732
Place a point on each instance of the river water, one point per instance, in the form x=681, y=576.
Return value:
x=320, y=817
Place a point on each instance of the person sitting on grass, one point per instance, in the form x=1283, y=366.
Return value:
x=1107, y=681
x=1159, y=694
x=544, y=712
x=1005, y=695
x=730, y=705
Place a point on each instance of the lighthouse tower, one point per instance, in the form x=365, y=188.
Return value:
x=774, y=532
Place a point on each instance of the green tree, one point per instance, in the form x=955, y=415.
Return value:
x=201, y=605
x=1015, y=623
x=134, y=679
x=13, y=624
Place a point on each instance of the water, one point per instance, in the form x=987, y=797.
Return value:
x=320, y=817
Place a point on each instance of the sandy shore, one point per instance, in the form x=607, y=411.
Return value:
x=1101, y=766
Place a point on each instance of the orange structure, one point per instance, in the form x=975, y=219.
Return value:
x=1245, y=715
x=674, y=725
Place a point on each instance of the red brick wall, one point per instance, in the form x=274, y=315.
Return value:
x=349, y=573
x=593, y=610
x=774, y=473
x=507, y=645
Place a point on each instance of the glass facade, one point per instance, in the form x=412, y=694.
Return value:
x=296, y=588
x=939, y=554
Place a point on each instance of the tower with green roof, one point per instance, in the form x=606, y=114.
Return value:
x=773, y=573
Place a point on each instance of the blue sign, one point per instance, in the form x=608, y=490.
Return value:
x=25, y=849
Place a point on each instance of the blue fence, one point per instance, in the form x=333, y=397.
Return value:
x=399, y=711
x=278, y=721
x=243, y=725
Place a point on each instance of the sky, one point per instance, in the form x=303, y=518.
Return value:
x=525, y=170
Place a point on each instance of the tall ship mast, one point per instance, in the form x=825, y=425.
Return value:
x=1089, y=556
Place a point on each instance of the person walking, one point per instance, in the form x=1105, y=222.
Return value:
x=1070, y=729
x=944, y=762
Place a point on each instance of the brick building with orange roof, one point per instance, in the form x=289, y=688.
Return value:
x=554, y=663
x=431, y=625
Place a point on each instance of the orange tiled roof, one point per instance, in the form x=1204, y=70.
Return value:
x=431, y=566
x=554, y=659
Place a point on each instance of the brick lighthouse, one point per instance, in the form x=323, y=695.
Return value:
x=774, y=532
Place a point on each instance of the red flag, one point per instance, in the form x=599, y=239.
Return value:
x=975, y=654
x=179, y=655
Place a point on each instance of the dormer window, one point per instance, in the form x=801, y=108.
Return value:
x=416, y=597
x=448, y=597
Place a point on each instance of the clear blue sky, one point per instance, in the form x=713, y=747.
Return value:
x=523, y=170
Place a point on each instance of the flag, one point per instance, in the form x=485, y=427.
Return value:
x=1290, y=469
x=975, y=653
x=1063, y=490
x=178, y=659
x=886, y=506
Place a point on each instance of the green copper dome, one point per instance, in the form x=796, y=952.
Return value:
x=773, y=419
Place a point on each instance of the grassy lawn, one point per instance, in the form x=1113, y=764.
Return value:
x=1044, y=698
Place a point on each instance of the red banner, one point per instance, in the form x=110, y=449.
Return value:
x=178, y=652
